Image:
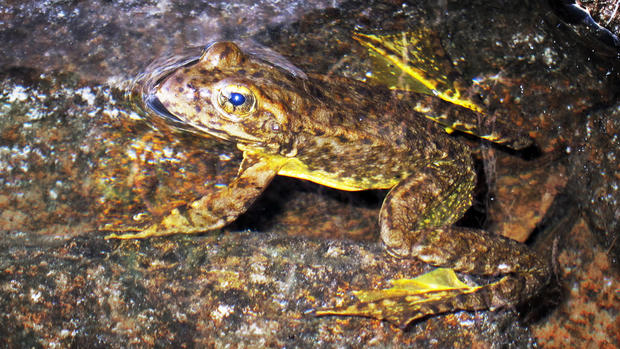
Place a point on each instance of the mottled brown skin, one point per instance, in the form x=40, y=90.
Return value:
x=351, y=136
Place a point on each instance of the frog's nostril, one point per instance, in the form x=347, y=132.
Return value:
x=155, y=105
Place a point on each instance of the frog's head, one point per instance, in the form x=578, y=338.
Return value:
x=235, y=96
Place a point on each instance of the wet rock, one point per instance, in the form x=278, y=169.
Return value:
x=588, y=301
x=596, y=176
x=234, y=289
x=62, y=135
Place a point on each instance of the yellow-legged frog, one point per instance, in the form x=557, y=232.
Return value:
x=347, y=135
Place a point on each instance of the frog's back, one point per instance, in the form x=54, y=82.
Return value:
x=366, y=136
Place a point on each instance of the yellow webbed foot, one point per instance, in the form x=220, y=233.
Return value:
x=408, y=299
x=175, y=223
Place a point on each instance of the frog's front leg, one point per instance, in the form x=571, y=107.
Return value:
x=219, y=208
x=416, y=221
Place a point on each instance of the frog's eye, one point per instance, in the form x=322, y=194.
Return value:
x=236, y=100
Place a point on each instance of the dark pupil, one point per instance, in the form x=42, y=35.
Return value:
x=236, y=99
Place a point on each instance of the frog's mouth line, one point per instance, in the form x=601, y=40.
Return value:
x=156, y=106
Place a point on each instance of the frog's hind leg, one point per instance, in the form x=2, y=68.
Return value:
x=416, y=221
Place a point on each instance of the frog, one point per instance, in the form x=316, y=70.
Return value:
x=348, y=135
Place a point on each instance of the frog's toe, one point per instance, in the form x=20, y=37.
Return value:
x=125, y=236
x=137, y=233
